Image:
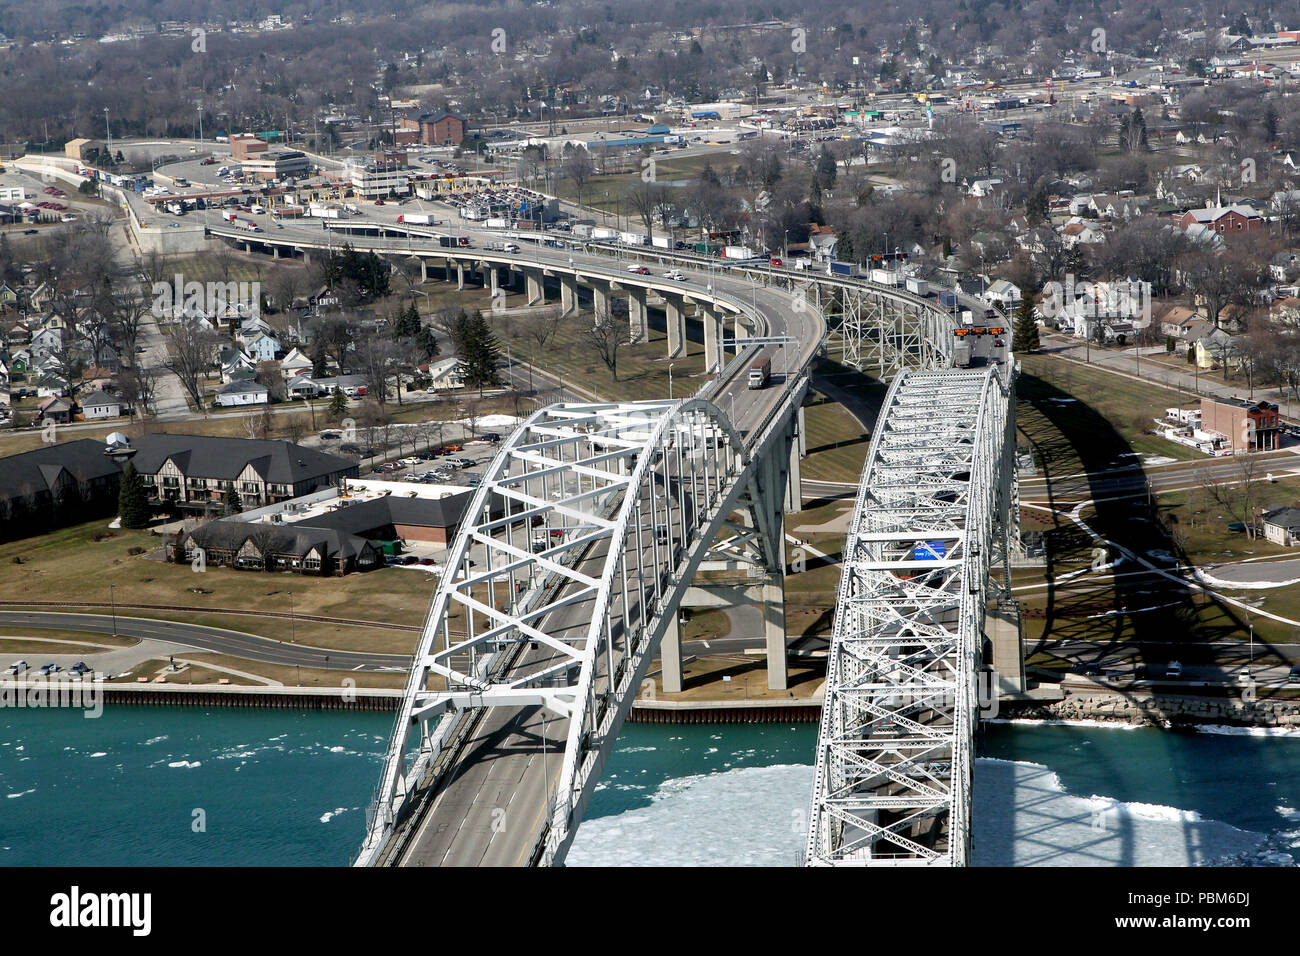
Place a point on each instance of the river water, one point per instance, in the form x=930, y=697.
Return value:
x=180, y=786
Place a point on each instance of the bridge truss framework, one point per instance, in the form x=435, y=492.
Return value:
x=934, y=514
x=584, y=533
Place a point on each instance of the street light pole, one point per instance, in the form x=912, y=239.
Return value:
x=112, y=603
x=670, y=381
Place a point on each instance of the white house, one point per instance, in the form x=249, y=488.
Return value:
x=101, y=405
x=1005, y=294
x=295, y=363
x=242, y=393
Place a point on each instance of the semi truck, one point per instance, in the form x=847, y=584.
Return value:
x=961, y=355
x=601, y=232
x=918, y=286
x=229, y=216
x=453, y=242
x=842, y=268
x=417, y=219
x=760, y=372
x=503, y=247
x=738, y=252
x=323, y=212
x=947, y=300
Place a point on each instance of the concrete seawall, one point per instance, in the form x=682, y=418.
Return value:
x=278, y=698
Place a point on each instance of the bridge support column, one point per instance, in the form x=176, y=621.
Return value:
x=446, y=270
x=306, y=257
x=600, y=299
x=275, y=252
x=492, y=280
x=536, y=288
x=638, y=315
x=742, y=332
x=568, y=294
x=712, y=320
x=670, y=656
x=460, y=277
x=424, y=270
x=675, y=315
x=1002, y=627
x=778, y=675
x=794, y=476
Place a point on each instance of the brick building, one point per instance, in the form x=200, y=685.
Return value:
x=431, y=129
x=1246, y=426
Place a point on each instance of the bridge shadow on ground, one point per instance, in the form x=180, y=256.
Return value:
x=1126, y=612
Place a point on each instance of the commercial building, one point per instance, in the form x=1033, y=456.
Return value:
x=56, y=485
x=376, y=180
x=1244, y=425
x=246, y=146
x=277, y=164
x=431, y=129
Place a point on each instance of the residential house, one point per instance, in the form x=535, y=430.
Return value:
x=1282, y=526
x=238, y=393
x=1178, y=320
x=55, y=409
x=262, y=348
x=102, y=405
x=294, y=364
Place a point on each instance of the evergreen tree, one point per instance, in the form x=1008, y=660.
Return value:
x=477, y=348
x=1025, y=330
x=132, y=499
x=427, y=342
x=338, y=403
x=231, y=501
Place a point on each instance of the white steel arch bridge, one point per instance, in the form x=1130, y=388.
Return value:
x=592, y=520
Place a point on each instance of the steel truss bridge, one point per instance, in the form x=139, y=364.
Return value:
x=935, y=514
x=564, y=579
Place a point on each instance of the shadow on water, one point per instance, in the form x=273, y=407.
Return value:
x=1102, y=618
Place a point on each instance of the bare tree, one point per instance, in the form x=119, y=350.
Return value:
x=1236, y=493
x=605, y=337
x=190, y=352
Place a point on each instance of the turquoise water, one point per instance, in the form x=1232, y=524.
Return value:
x=291, y=788
x=274, y=786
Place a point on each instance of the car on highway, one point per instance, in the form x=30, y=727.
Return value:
x=776, y=262
x=674, y=274
x=29, y=232
x=638, y=270
x=1294, y=676
x=1174, y=670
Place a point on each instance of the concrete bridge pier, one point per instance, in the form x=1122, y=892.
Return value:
x=600, y=295
x=424, y=270
x=535, y=287
x=794, y=476
x=568, y=294
x=460, y=277
x=675, y=314
x=670, y=656
x=711, y=316
x=638, y=314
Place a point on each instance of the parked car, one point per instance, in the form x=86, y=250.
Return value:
x=79, y=668
x=1174, y=670
x=1294, y=676
x=48, y=669
x=18, y=667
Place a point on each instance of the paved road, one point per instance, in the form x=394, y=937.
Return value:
x=237, y=644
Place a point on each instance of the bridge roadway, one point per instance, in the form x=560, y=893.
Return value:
x=490, y=806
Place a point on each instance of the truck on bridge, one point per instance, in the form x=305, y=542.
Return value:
x=760, y=372
x=417, y=219
x=842, y=268
x=453, y=242
x=961, y=355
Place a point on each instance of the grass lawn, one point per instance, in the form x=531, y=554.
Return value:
x=836, y=441
x=68, y=564
x=1060, y=402
x=642, y=368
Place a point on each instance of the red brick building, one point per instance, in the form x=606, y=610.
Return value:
x=1247, y=426
x=431, y=129
x=1225, y=220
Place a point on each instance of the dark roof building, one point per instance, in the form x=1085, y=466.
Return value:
x=56, y=485
x=349, y=538
x=194, y=471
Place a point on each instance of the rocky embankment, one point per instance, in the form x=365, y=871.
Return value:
x=1161, y=710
